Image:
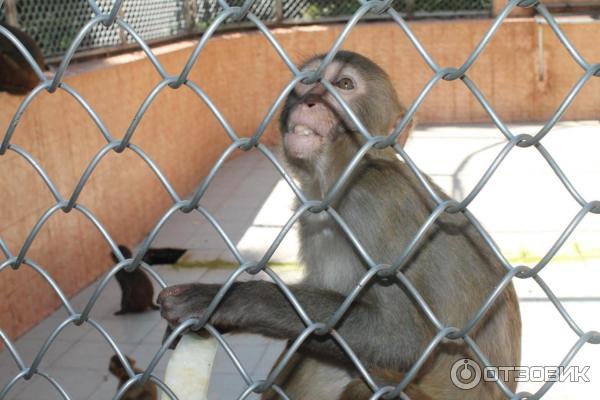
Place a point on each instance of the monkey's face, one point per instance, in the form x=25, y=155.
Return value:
x=312, y=119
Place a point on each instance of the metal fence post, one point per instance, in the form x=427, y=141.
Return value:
x=122, y=33
x=10, y=10
x=410, y=8
x=189, y=12
x=278, y=11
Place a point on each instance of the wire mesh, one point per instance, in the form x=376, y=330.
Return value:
x=111, y=16
x=54, y=23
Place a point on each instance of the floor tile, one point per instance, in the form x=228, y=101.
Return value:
x=78, y=384
x=144, y=353
x=106, y=390
x=124, y=328
x=30, y=348
x=8, y=370
x=89, y=355
x=45, y=328
x=227, y=387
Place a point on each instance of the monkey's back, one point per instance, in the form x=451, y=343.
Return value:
x=453, y=270
x=137, y=291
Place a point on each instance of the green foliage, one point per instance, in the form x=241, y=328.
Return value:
x=222, y=264
x=323, y=9
x=445, y=5
x=326, y=9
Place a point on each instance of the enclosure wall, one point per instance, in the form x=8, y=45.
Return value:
x=524, y=73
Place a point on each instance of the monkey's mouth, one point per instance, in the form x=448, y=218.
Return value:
x=302, y=141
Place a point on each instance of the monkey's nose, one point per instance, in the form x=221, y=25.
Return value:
x=311, y=100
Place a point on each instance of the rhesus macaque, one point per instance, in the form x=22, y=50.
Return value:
x=137, y=291
x=16, y=75
x=147, y=391
x=384, y=205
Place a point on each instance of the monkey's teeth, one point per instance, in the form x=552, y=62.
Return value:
x=303, y=130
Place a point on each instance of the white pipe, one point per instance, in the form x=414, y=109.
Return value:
x=189, y=368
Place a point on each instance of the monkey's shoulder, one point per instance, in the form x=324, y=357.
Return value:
x=389, y=193
x=390, y=180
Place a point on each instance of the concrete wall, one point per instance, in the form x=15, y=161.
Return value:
x=243, y=75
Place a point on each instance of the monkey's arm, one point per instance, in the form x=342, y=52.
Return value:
x=15, y=78
x=260, y=307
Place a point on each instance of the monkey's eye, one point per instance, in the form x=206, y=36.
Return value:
x=345, y=84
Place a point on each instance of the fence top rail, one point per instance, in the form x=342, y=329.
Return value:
x=53, y=24
x=115, y=17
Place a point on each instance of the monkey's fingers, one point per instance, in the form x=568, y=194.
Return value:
x=175, y=311
x=173, y=291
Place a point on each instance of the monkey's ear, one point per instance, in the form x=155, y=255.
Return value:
x=406, y=131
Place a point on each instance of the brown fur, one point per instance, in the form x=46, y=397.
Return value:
x=16, y=75
x=357, y=390
x=384, y=205
x=137, y=292
x=145, y=392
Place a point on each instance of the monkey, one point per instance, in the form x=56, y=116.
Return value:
x=136, y=287
x=164, y=255
x=384, y=204
x=16, y=75
x=357, y=390
x=137, y=290
x=145, y=392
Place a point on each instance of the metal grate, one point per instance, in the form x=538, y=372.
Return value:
x=154, y=19
x=315, y=10
x=54, y=23
x=253, y=143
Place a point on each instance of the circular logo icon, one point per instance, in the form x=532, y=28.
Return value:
x=465, y=374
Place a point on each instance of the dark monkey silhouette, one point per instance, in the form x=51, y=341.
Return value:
x=136, y=287
x=16, y=75
x=147, y=391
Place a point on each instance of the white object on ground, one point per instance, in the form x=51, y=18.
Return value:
x=189, y=368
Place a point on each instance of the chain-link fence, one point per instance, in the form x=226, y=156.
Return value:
x=112, y=16
x=54, y=23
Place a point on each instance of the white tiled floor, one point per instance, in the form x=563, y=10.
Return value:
x=523, y=206
x=78, y=358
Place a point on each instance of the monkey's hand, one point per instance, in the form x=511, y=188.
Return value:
x=255, y=306
x=261, y=307
x=182, y=302
x=238, y=308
